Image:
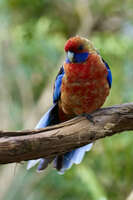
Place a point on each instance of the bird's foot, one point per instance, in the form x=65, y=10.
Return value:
x=89, y=117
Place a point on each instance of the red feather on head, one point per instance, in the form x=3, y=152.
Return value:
x=78, y=45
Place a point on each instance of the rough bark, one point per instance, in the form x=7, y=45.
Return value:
x=17, y=146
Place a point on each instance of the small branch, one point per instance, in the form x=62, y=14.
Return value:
x=16, y=146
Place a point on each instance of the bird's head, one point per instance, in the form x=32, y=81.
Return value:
x=78, y=49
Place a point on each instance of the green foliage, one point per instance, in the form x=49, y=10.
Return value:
x=32, y=37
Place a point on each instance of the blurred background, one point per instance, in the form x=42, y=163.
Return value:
x=32, y=37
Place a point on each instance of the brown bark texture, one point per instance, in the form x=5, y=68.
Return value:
x=17, y=146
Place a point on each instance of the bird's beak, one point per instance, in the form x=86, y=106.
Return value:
x=70, y=56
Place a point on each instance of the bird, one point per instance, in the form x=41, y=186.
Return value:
x=81, y=87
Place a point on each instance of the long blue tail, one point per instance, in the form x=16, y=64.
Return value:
x=66, y=160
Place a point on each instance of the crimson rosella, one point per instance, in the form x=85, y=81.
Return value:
x=81, y=87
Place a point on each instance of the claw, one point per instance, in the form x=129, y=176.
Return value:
x=89, y=117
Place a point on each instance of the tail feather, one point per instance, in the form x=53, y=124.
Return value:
x=32, y=163
x=74, y=157
x=80, y=152
x=44, y=164
x=58, y=162
x=49, y=118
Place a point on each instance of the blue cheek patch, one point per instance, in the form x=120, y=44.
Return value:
x=79, y=57
x=67, y=60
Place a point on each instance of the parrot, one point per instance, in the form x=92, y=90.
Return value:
x=81, y=87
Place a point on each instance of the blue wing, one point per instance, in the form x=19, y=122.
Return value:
x=57, y=85
x=49, y=118
x=109, y=77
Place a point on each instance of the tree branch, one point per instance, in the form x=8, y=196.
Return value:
x=16, y=146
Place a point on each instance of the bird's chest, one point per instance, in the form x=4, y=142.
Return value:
x=84, y=89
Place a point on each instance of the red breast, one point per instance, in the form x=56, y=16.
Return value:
x=84, y=86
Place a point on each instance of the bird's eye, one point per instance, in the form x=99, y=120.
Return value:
x=80, y=47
